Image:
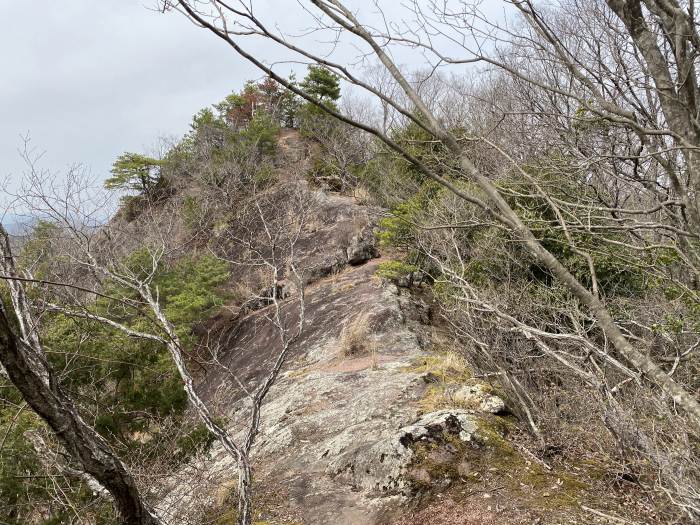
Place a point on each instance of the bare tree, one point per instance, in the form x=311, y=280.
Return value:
x=25, y=363
x=263, y=238
x=233, y=22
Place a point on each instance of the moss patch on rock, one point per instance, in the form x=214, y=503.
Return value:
x=492, y=466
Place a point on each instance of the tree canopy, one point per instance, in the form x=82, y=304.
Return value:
x=322, y=84
x=133, y=171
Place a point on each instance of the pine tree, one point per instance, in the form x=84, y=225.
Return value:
x=289, y=105
x=133, y=171
x=322, y=84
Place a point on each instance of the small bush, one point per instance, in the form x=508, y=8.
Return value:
x=262, y=132
x=324, y=171
x=131, y=207
x=395, y=270
x=265, y=176
x=191, y=212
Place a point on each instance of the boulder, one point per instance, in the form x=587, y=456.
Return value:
x=478, y=396
x=362, y=247
x=435, y=425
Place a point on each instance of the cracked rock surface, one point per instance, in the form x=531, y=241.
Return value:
x=337, y=431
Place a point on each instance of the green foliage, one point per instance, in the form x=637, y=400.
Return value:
x=679, y=294
x=131, y=206
x=264, y=176
x=314, y=123
x=199, y=438
x=261, y=133
x=289, y=106
x=412, y=196
x=38, y=251
x=191, y=212
x=226, y=145
x=237, y=133
x=391, y=179
x=395, y=269
x=423, y=146
x=133, y=171
x=491, y=257
x=204, y=119
x=585, y=120
x=17, y=457
x=489, y=254
x=134, y=379
x=671, y=324
x=190, y=289
x=178, y=158
x=235, y=104
x=322, y=84
x=28, y=486
x=238, y=110
x=326, y=170
x=398, y=229
x=620, y=270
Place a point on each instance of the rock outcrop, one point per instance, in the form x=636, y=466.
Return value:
x=477, y=396
x=347, y=436
x=338, y=429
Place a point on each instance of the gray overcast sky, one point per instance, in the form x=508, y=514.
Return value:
x=89, y=79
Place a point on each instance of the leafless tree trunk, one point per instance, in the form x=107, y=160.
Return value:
x=98, y=253
x=231, y=22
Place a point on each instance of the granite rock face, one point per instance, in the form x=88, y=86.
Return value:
x=363, y=247
x=333, y=433
x=338, y=430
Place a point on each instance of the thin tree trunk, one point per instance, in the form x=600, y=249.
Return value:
x=245, y=493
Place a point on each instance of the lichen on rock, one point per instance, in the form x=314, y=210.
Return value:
x=434, y=425
x=479, y=397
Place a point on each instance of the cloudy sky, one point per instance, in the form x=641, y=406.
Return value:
x=90, y=79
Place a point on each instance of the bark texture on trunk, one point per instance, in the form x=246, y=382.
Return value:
x=32, y=375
